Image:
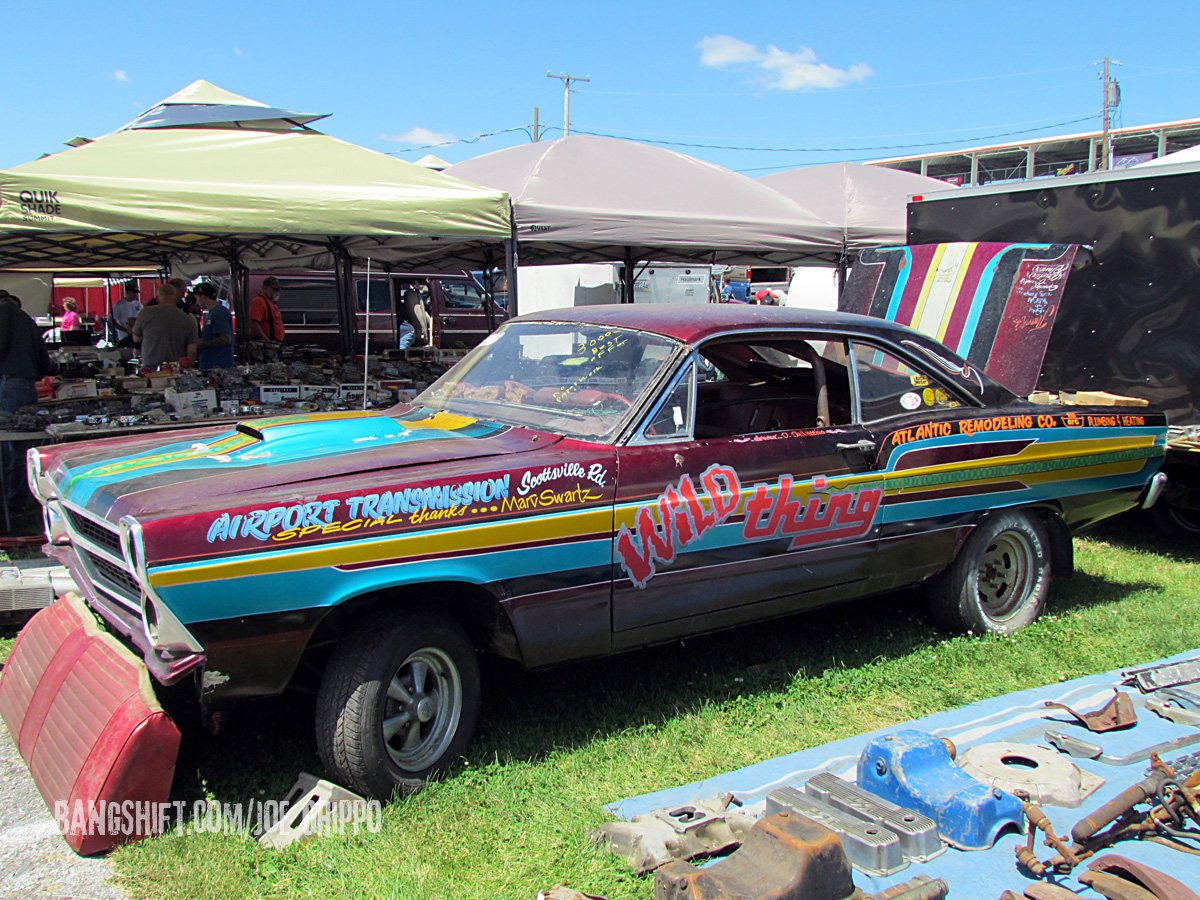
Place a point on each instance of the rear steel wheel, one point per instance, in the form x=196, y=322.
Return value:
x=999, y=581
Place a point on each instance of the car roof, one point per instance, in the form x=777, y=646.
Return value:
x=696, y=322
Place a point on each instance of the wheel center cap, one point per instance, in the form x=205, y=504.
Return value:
x=426, y=707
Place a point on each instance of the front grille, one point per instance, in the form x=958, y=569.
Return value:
x=122, y=584
x=100, y=535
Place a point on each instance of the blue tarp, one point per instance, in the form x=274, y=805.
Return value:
x=978, y=875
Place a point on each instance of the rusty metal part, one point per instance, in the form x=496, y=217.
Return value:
x=919, y=887
x=1026, y=855
x=1045, y=891
x=1010, y=895
x=693, y=830
x=1029, y=771
x=1158, y=883
x=1125, y=801
x=1073, y=746
x=784, y=857
x=1115, y=888
x=1116, y=713
x=1186, y=699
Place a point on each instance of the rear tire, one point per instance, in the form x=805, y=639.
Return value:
x=398, y=703
x=999, y=581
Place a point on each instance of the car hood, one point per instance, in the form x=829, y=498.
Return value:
x=213, y=467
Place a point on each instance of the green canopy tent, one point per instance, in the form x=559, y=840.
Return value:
x=210, y=177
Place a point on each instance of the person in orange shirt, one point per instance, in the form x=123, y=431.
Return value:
x=266, y=322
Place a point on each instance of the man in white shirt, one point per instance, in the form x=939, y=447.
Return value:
x=124, y=314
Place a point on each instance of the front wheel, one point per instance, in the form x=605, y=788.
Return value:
x=999, y=581
x=398, y=703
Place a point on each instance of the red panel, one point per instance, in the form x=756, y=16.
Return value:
x=85, y=719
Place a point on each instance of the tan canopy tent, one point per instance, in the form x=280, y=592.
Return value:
x=868, y=204
x=210, y=177
x=591, y=199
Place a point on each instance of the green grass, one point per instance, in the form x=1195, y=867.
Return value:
x=553, y=747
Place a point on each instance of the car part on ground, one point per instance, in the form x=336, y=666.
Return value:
x=84, y=717
x=1114, y=887
x=30, y=584
x=1030, y=771
x=1116, y=713
x=1044, y=891
x=998, y=582
x=918, y=834
x=1146, y=789
x=1081, y=749
x=1152, y=678
x=311, y=805
x=1026, y=855
x=785, y=857
x=1185, y=698
x=915, y=770
x=870, y=847
x=695, y=830
x=1160, y=884
x=398, y=702
x=1172, y=713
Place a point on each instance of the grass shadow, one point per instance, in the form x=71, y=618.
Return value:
x=1084, y=590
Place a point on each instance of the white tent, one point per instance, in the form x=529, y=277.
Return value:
x=868, y=203
x=591, y=199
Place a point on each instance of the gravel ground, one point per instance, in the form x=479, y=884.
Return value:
x=35, y=862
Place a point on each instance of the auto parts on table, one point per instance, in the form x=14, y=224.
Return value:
x=1036, y=772
x=1116, y=713
x=1077, y=747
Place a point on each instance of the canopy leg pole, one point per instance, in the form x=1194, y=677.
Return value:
x=489, y=289
x=842, y=265
x=510, y=271
x=347, y=308
x=239, y=288
x=367, y=337
x=629, y=276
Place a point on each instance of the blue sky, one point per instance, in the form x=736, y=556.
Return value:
x=812, y=82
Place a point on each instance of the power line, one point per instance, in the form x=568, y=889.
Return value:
x=473, y=140
x=990, y=137
x=880, y=87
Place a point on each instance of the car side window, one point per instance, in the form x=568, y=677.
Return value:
x=461, y=295
x=889, y=386
x=672, y=419
x=772, y=383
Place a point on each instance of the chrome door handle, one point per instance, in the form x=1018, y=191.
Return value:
x=862, y=446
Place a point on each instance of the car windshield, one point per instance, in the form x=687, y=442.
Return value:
x=566, y=377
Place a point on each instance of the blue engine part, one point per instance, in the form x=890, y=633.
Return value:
x=914, y=769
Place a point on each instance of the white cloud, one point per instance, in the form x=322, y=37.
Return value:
x=721, y=50
x=779, y=69
x=238, y=51
x=121, y=75
x=419, y=136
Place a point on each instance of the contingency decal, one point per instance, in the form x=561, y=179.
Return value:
x=366, y=510
x=770, y=512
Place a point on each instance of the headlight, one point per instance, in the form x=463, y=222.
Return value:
x=55, y=523
x=39, y=485
x=164, y=632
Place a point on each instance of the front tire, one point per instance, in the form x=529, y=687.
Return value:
x=398, y=703
x=999, y=581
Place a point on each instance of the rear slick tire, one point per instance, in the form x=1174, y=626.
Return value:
x=398, y=703
x=999, y=581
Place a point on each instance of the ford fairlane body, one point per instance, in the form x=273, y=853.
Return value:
x=584, y=482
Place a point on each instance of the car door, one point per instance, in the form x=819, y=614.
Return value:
x=926, y=461
x=734, y=502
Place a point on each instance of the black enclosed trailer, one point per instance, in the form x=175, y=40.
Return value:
x=1130, y=324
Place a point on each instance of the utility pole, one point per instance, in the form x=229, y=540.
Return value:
x=1112, y=99
x=535, y=124
x=566, y=80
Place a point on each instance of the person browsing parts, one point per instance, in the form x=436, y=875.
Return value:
x=266, y=322
x=216, y=333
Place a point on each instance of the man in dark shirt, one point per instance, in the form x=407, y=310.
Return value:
x=216, y=334
x=23, y=360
